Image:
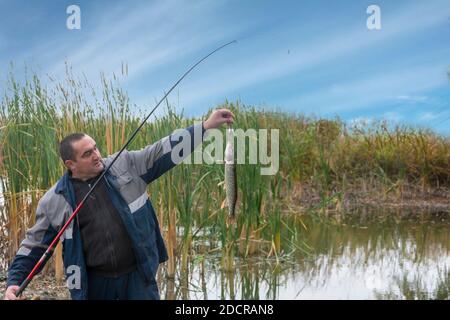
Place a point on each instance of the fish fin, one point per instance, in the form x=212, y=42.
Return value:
x=231, y=220
x=224, y=204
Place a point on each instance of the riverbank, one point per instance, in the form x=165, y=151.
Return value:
x=364, y=197
x=43, y=287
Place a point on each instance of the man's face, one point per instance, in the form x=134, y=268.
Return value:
x=87, y=162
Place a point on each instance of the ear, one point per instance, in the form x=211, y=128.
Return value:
x=70, y=164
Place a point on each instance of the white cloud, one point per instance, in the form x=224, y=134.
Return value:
x=118, y=37
x=150, y=36
x=378, y=87
x=426, y=116
x=412, y=98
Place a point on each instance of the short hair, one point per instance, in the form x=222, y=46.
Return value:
x=66, y=150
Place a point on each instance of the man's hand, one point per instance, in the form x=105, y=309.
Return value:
x=217, y=118
x=10, y=293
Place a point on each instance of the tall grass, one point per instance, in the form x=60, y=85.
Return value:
x=324, y=153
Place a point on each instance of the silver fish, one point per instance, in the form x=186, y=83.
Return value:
x=230, y=174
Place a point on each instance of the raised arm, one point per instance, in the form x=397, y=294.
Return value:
x=158, y=158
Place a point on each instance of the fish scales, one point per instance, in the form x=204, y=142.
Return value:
x=230, y=174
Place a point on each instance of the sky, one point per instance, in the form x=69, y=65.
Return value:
x=316, y=58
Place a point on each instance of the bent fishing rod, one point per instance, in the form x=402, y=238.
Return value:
x=47, y=254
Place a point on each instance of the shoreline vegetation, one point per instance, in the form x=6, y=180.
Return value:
x=327, y=167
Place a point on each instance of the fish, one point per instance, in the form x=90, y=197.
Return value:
x=230, y=174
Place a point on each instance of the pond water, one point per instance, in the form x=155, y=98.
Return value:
x=363, y=256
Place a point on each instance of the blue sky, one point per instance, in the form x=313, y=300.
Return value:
x=311, y=57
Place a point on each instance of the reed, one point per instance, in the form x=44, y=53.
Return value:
x=326, y=154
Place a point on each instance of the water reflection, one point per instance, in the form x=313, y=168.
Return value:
x=380, y=257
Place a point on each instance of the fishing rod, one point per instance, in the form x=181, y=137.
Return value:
x=47, y=254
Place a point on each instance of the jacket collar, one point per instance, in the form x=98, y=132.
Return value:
x=64, y=186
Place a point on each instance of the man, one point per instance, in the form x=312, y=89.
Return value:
x=113, y=247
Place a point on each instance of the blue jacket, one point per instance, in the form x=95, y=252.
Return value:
x=126, y=182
